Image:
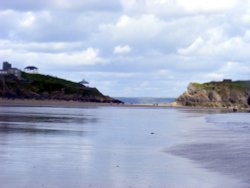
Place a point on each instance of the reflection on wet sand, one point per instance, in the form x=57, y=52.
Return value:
x=10, y=128
x=45, y=118
x=43, y=123
x=223, y=147
x=101, y=147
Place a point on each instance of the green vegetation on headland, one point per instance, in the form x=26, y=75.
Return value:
x=217, y=94
x=38, y=86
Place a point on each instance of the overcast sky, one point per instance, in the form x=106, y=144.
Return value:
x=129, y=47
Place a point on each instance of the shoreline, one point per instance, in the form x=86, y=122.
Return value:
x=50, y=103
x=62, y=103
x=72, y=104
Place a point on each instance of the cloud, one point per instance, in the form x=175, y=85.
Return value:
x=137, y=31
x=50, y=26
x=123, y=21
x=232, y=70
x=88, y=56
x=192, y=48
x=122, y=49
x=28, y=20
x=206, y=5
x=129, y=47
x=62, y=5
x=177, y=7
x=133, y=28
x=49, y=47
x=219, y=46
x=150, y=7
x=53, y=61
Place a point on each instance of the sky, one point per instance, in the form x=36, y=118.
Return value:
x=129, y=48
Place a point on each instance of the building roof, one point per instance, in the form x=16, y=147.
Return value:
x=31, y=68
x=83, y=82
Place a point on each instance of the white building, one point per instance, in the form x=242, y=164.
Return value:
x=2, y=72
x=7, y=69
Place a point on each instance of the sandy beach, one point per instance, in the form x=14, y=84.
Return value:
x=75, y=104
x=50, y=103
x=110, y=147
x=60, y=103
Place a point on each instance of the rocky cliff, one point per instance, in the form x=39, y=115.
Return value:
x=217, y=94
x=38, y=86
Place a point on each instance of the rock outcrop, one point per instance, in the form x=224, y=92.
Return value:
x=38, y=86
x=217, y=94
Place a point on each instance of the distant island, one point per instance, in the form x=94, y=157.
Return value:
x=17, y=84
x=227, y=93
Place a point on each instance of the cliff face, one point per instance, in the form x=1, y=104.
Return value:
x=37, y=86
x=217, y=94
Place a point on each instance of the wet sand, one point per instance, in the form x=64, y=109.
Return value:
x=72, y=104
x=50, y=103
x=106, y=147
x=224, y=147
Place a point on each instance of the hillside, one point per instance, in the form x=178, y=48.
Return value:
x=217, y=94
x=38, y=86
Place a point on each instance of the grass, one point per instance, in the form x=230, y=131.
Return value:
x=238, y=85
x=45, y=83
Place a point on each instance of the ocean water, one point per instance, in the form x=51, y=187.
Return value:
x=118, y=147
x=145, y=100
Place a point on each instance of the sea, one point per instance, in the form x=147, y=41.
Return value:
x=145, y=100
x=123, y=147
